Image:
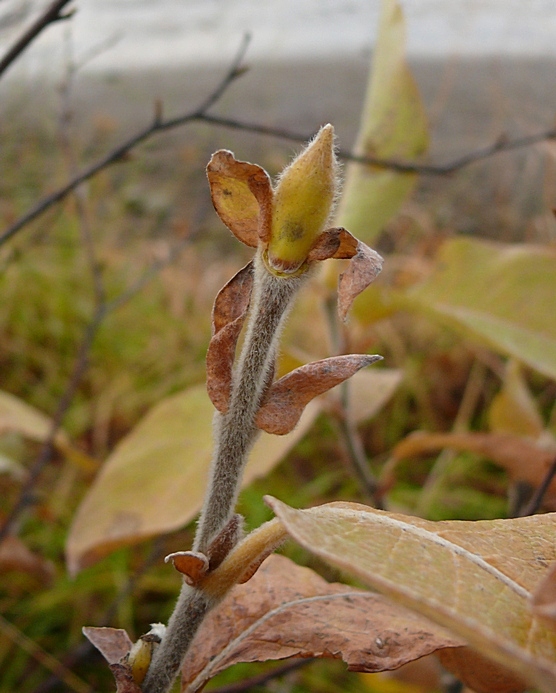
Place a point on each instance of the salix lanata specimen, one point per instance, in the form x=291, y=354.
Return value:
x=287, y=224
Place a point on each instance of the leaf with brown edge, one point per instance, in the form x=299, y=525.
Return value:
x=289, y=611
x=363, y=269
x=228, y=316
x=474, y=578
x=287, y=398
x=112, y=643
x=522, y=458
x=335, y=243
x=242, y=196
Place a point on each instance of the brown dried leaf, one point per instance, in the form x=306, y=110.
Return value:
x=124, y=679
x=191, y=564
x=228, y=315
x=15, y=555
x=543, y=598
x=480, y=674
x=242, y=196
x=523, y=459
x=290, y=611
x=363, y=269
x=112, y=643
x=286, y=399
x=225, y=541
x=335, y=243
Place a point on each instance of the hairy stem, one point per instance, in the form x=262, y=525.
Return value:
x=235, y=433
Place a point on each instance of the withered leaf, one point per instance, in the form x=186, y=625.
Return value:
x=522, y=458
x=112, y=643
x=191, y=564
x=480, y=674
x=285, y=400
x=228, y=315
x=242, y=196
x=335, y=243
x=290, y=611
x=124, y=679
x=363, y=269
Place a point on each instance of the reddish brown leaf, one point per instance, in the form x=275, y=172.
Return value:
x=480, y=674
x=225, y=541
x=112, y=643
x=335, y=243
x=286, y=399
x=15, y=555
x=523, y=459
x=228, y=315
x=124, y=679
x=290, y=611
x=191, y=564
x=241, y=195
x=362, y=270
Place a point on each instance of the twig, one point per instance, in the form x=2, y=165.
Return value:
x=117, y=154
x=261, y=679
x=53, y=13
x=200, y=114
x=536, y=499
x=345, y=427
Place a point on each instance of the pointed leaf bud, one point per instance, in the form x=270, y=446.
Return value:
x=303, y=201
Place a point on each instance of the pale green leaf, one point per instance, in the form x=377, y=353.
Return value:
x=502, y=294
x=474, y=578
x=155, y=480
x=393, y=126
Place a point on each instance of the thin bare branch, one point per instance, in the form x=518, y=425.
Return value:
x=119, y=152
x=261, y=679
x=53, y=13
x=536, y=500
x=200, y=114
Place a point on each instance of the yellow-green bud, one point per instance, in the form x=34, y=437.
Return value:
x=303, y=201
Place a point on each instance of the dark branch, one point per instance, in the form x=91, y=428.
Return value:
x=536, y=500
x=118, y=154
x=53, y=13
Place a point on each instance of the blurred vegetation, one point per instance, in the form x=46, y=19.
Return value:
x=154, y=209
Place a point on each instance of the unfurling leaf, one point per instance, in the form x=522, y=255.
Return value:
x=290, y=611
x=228, y=316
x=286, y=398
x=474, y=578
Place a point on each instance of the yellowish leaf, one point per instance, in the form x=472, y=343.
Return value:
x=154, y=481
x=474, y=578
x=393, y=125
x=514, y=409
x=500, y=294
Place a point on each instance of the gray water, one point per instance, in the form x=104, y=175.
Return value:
x=111, y=35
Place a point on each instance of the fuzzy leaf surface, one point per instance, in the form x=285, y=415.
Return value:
x=289, y=611
x=393, y=125
x=498, y=293
x=166, y=457
x=475, y=578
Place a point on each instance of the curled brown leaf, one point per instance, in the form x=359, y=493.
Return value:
x=290, y=611
x=112, y=643
x=287, y=397
x=228, y=316
x=363, y=269
x=193, y=565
